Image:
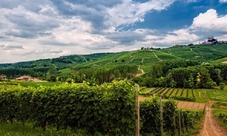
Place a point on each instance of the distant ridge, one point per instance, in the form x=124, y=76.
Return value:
x=202, y=53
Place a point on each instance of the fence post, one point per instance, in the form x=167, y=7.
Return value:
x=182, y=122
x=161, y=116
x=174, y=123
x=137, y=105
x=179, y=121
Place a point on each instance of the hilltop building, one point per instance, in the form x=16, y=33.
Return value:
x=210, y=40
x=149, y=48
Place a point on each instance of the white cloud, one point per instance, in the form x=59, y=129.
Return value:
x=222, y=1
x=70, y=27
x=130, y=12
x=191, y=1
x=52, y=29
x=181, y=36
x=210, y=21
x=48, y=10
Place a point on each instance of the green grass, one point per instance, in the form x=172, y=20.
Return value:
x=205, y=95
x=36, y=84
x=179, y=92
x=17, y=129
x=216, y=113
x=197, y=127
x=26, y=84
x=145, y=90
x=203, y=53
x=174, y=92
x=168, y=93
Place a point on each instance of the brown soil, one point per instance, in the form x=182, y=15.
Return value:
x=142, y=98
x=211, y=127
x=191, y=105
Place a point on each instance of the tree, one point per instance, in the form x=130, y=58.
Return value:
x=222, y=85
x=210, y=84
x=156, y=71
x=161, y=81
x=173, y=83
x=191, y=81
x=217, y=76
x=198, y=80
x=51, y=78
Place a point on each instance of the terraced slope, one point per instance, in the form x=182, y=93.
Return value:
x=199, y=52
x=203, y=53
x=142, y=57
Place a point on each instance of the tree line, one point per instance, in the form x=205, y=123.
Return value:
x=184, y=74
x=171, y=73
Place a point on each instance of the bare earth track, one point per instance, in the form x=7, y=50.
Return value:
x=191, y=105
x=211, y=127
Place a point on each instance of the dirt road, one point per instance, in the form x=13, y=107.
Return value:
x=211, y=127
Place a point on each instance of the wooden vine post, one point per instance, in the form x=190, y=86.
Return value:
x=174, y=123
x=137, y=105
x=161, y=116
x=179, y=121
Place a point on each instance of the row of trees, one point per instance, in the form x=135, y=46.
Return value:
x=100, y=75
x=12, y=73
x=176, y=73
x=194, y=76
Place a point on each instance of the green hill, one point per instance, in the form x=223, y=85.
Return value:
x=144, y=58
x=140, y=57
x=59, y=63
x=201, y=53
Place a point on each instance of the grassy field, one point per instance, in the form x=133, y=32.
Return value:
x=220, y=114
x=26, y=84
x=16, y=129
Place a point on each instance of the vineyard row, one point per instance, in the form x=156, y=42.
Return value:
x=108, y=109
x=175, y=93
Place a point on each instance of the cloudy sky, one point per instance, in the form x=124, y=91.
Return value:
x=37, y=29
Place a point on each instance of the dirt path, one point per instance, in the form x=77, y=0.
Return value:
x=157, y=56
x=142, y=72
x=193, y=51
x=211, y=127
